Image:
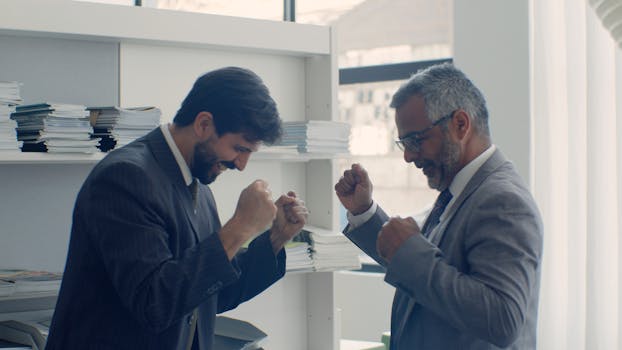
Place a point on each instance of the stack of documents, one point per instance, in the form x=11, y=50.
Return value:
x=330, y=250
x=299, y=257
x=8, y=138
x=316, y=136
x=10, y=93
x=18, y=282
x=9, y=98
x=54, y=128
x=116, y=126
x=234, y=334
x=23, y=335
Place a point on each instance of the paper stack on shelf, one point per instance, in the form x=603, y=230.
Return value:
x=298, y=257
x=116, y=126
x=10, y=93
x=26, y=334
x=54, y=128
x=9, y=98
x=27, y=282
x=316, y=136
x=234, y=334
x=330, y=250
x=8, y=138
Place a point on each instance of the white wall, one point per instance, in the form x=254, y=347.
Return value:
x=491, y=45
x=365, y=303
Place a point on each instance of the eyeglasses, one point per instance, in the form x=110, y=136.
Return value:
x=413, y=141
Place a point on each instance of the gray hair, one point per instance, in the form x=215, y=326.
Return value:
x=444, y=89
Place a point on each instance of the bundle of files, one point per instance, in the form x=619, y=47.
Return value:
x=315, y=136
x=116, y=126
x=329, y=250
x=234, y=334
x=19, y=282
x=10, y=93
x=54, y=128
x=299, y=256
x=24, y=334
x=9, y=98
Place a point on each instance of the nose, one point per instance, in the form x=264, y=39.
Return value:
x=241, y=160
x=410, y=155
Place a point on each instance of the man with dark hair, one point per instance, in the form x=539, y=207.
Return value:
x=149, y=264
x=469, y=278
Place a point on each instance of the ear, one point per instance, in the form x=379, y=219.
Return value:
x=203, y=126
x=461, y=124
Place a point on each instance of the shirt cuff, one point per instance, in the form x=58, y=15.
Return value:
x=358, y=220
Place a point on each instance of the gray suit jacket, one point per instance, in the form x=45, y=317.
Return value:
x=141, y=260
x=476, y=285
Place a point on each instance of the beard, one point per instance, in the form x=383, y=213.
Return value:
x=441, y=173
x=205, y=164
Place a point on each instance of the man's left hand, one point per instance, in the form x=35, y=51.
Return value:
x=291, y=216
x=393, y=234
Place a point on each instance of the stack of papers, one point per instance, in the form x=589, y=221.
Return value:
x=23, y=335
x=329, y=250
x=233, y=334
x=10, y=93
x=9, y=98
x=116, y=126
x=54, y=128
x=27, y=282
x=8, y=138
x=316, y=136
x=299, y=257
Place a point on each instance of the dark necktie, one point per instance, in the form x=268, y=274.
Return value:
x=435, y=214
x=194, y=191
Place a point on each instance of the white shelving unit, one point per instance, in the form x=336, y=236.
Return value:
x=96, y=54
x=17, y=157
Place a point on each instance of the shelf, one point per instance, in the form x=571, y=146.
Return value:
x=24, y=302
x=143, y=25
x=16, y=157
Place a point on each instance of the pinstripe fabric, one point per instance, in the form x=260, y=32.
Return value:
x=140, y=260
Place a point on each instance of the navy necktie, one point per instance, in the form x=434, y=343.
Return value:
x=194, y=191
x=435, y=215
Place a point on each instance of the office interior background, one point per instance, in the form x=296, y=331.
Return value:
x=551, y=72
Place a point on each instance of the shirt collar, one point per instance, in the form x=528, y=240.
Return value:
x=465, y=174
x=183, y=166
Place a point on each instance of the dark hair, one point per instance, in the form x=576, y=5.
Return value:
x=238, y=100
x=445, y=88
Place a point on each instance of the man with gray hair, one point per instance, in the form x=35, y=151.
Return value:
x=469, y=277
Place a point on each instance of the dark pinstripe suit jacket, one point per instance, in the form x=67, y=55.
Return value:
x=140, y=260
x=475, y=286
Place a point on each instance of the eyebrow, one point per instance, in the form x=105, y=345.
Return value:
x=244, y=149
x=416, y=134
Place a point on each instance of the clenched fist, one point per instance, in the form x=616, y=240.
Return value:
x=393, y=234
x=291, y=216
x=253, y=214
x=255, y=207
x=354, y=190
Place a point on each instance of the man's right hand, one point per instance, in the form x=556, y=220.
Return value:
x=254, y=213
x=255, y=208
x=354, y=190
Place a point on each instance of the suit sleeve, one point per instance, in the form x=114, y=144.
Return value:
x=258, y=267
x=366, y=235
x=129, y=228
x=502, y=245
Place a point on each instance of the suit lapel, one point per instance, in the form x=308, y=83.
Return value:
x=490, y=166
x=166, y=160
